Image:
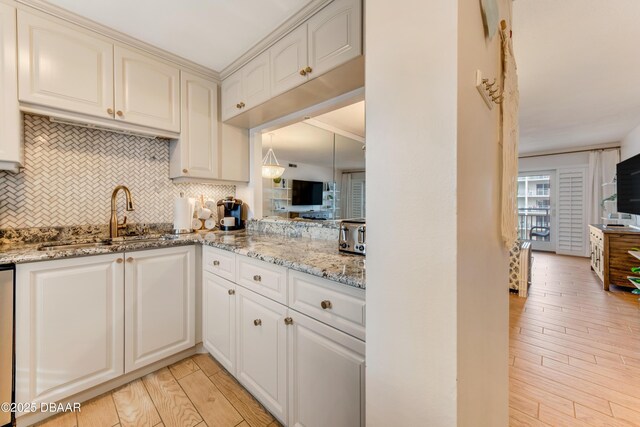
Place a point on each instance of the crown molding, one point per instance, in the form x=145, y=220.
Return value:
x=285, y=28
x=118, y=36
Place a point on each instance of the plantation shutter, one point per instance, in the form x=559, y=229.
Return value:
x=571, y=212
x=357, y=198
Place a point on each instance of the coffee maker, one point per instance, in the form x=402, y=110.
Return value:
x=234, y=208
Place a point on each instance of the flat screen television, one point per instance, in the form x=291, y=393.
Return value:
x=306, y=193
x=628, y=185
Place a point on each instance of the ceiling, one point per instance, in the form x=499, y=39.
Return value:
x=213, y=33
x=349, y=118
x=578, y=71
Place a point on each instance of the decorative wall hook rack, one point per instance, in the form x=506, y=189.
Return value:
x=490, y=92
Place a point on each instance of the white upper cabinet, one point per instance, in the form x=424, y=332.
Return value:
x=232, y=95
x=10, y=122
x=255, y=81
x=197, y=152
x=247, y=87
x=69, y=326
x=288, y=60
x=147, y=91
x=335, y=36
x=159, y=304
x=328, y=39
x=64, y=67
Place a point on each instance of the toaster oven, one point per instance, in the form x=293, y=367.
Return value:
x=353, y=236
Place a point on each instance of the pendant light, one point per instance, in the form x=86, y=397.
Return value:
x=270, y=166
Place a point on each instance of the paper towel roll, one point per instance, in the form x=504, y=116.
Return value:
x=183, y=213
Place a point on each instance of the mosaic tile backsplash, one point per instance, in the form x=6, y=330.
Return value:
x=70, y=173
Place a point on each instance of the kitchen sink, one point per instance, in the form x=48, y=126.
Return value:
x=66, y=246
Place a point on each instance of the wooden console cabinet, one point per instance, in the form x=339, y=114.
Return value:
x=610, y=258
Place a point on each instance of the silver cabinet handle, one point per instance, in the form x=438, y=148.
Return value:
x=257, y=322
x=326, y=304
x=257, y=278
x=288, y=321
x=216, y=263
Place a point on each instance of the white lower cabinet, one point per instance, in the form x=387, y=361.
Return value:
x=219, y=317
x=83, y=321
x=159, y=304
x=326, y=375
x=262, y=350
x=296, y=359
x=69, y=326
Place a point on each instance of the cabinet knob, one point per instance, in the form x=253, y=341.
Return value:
x=257, y=322
x=185, y=170
x=238, y=106
x=288, y=321
x=231, y=292
x=216, y=263
x=257, y=278
x=303, y=72
x=110, y=111
x=326, y=304
x=119, y=260
x=130, y=260
x=119, y=113
x=308, y=69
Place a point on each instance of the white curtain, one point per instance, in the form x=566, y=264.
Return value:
x=602, y=169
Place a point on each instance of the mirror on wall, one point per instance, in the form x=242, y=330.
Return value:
x=324, y=161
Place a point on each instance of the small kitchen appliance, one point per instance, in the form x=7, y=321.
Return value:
x=232, y=207
x=353, y=236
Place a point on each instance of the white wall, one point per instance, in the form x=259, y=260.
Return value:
x=553, y=161
x=434, y=357
x=482, y=259
x=630, y=145
x=306, y=171
x=411, y=86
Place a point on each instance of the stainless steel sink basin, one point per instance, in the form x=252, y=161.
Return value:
x=67, y=246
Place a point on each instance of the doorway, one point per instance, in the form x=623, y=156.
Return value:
x=536, y=209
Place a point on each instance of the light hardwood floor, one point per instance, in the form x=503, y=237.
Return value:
x=574, y=349
x=193, y=392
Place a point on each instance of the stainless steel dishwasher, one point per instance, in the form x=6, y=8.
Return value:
x=7, y=288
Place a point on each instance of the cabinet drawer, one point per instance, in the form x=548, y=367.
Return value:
x=264, y=278
x=219, y=262
x=340, y=306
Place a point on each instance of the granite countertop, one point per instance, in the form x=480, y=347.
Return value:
x=312, y=256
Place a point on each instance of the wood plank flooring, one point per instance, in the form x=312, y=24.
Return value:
x=574, y=349
x=195, y=392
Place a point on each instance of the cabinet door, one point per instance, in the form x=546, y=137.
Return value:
x=147, y=91
x=326, y=375
x=255, y=81
x=69, y=326
x=232, y=95
x=335, y=35
x=218, y=313
x=64, y=67
x=234, y=146
x=199, y=144
x=159, y=304
x=10, y=123
x=288, y=57
x=262, y=350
